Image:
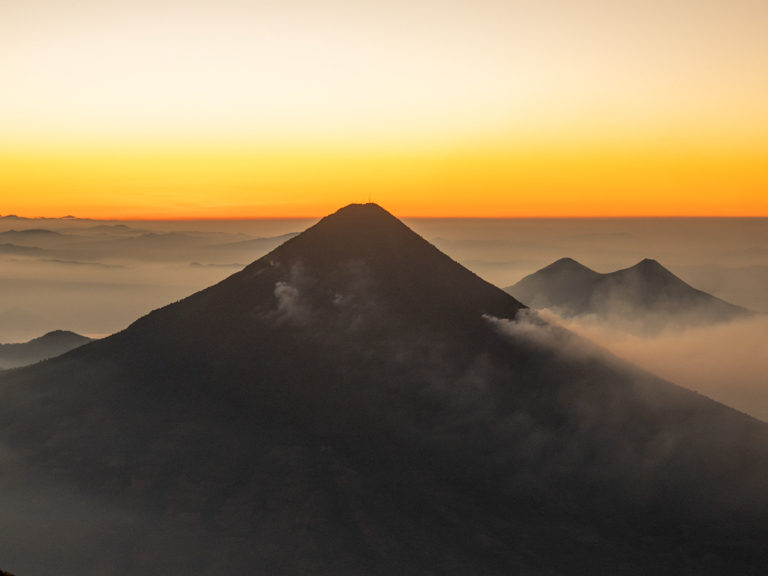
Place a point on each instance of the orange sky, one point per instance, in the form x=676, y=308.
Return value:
x=576, y=180
x=492, y=108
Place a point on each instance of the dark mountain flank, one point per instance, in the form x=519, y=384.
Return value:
x=355, y=402
x=643, y=298
x=46, y=346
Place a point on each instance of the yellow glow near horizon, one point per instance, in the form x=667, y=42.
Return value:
x=231, y=108
x=521, y=181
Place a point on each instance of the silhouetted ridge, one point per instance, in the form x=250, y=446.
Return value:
x=566, y=279
x=651, y=271
x=567, y=268
x=567, y=264
x=9, y=248
x=47, y=346
x=60, y=334
x=357, y=230
x=33, y=232
x=646, y=297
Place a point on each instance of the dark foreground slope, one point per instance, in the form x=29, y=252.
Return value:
x=645, y=297
x=46, y=346
x=355, y=402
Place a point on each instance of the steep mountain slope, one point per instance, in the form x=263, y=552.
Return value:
x=46, y=346
x=355, y=402
x=644, y=298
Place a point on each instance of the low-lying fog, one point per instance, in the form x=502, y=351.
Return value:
x=727, y=258
x=727, y=362
x=95, y=278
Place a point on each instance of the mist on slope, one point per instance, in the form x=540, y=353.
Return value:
x=727, y=362
x=727, y=258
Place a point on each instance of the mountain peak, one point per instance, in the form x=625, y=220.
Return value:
x=568, y=264
x=361, y=256
x=63, y=334
x=47, y=346
x=645, y=297
x=649, y=264
x=567, y=277
x=355, y=216
x=360, y=209
x=355, y=231
x=566, y=260
x=651, y=269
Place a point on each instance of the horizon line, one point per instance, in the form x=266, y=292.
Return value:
x=406, y=217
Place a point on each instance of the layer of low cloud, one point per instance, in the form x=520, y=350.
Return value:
x=97, y=278
x=727, y=362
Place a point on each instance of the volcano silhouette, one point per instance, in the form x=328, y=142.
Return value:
x=644, y=298
x=356, y=402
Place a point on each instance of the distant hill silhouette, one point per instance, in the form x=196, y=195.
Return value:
x=15, y=250
x=35, y=239
x=47, y=346
x=357, y=403
x=643, y=298
x=29, y=233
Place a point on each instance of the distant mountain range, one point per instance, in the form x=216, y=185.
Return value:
x=357, y=403
x=123, y=242
x=68, y=217
x=643, y=298
x=48, y=346
x=14, y=250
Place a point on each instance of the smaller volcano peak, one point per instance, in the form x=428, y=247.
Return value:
x=62, y=334
x=649, y=267
x=649, y=263
x=567, y=266
x=566, y=263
